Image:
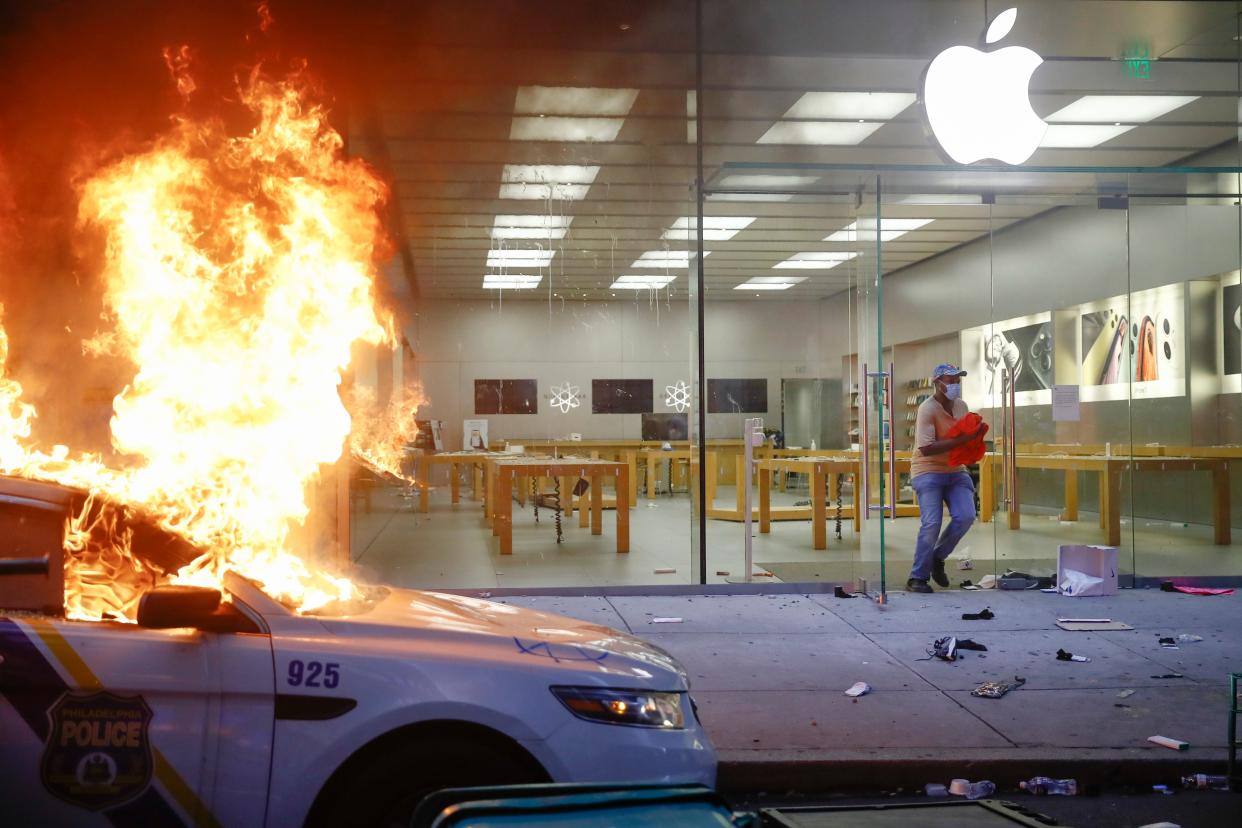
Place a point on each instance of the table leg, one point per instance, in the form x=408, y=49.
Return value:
x=739, y=468
x=454, y=482
x=567, y=497
x=1103, y=496
x=631, y=462
x=424, y=485
x=625, y=478
x=819, y=520
x=597, y=504
x=584, y=514
x=476, y=473
x=987, y=490
x=834, y=485
x=504, y=513
x=710, y=471
x=1220, y=504
x=521, y=492
x=1113, y=527
x=765, y=501
x=1071, y=495
x=857, y=506
x=652, y=464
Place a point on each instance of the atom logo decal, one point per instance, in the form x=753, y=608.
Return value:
x=566, y=397
x=677, y=396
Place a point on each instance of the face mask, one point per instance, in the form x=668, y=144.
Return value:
x=954, y=391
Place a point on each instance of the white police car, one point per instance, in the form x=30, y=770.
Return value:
x=241, y=712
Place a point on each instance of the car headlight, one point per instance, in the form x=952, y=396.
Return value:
x=624, y=707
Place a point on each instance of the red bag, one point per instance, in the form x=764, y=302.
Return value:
x=972, y=451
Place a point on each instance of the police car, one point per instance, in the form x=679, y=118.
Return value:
x=241, y=712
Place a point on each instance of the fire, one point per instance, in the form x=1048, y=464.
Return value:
x=381, y=433
x=238, y=273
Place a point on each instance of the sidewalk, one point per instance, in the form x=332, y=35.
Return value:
x=768, y=673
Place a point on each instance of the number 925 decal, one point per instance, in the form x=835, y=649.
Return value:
x=313, y=674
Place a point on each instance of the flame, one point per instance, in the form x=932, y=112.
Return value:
x=238, y=273
x=381, y=432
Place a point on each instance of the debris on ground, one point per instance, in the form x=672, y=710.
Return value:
x=1169, y=643
x=1188, y=638
x=997, y=689
x=666, y=620
x=1091, y=624
x=1169, y=676
x=722, y=572
x=1047, y=786
x=860, y=688
x=965, y=564
x=1125, y=694
x=987, y=582
x=935, y=789
x=967, y=644
x=1169, y=586
x=1206, y=781
x=1165, y=741
x=666, y=571
x=985, y=614
x=943, y=648
x=1064, y=656
x=838, y=592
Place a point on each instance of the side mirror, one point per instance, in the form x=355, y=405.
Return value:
x=170, y=607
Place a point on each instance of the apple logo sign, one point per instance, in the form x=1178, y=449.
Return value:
x=977, y=103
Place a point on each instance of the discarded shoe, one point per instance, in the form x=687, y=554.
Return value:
x=918, y=585
x=944, y=648
x=1064, y=656
x=939, y=575
x=985, y=615
x=967, y=644
x=837, y=592
x=997, y=689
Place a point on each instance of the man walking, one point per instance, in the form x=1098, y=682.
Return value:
x=937, y=483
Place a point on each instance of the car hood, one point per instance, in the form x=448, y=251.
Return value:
x=404, y=613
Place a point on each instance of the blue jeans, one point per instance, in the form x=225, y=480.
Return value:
x=934, y=489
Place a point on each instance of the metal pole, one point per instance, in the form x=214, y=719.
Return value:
x=892, y=440
x=702, y=356
x=863, y=460
x=750, y=428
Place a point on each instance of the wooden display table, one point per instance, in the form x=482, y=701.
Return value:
x=653, y=457
x=475, y=460
x=825, y=474
x=502, y=472
x=1110, y=470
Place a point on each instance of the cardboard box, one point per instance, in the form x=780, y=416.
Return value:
x=1096, y=561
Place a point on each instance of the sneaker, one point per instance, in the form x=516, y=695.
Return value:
x=918, y=585
x=938, y=574
x=945, y=648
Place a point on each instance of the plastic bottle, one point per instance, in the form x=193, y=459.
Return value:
x=978, y=790
x=1041, y=785
x=1204, y=781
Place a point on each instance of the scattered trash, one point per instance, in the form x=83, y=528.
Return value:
x=1046, y=786
x=1165, y=741
x=722, y=572
x=666, y=620
x=485, y=595
x=965, y=564
x=1169, y=644
x=1161, y=825
x=1125, y=694
x=860, y=688
x=1080, y=585
x=935, y=789
x=967, y=644
x=980, y=790
x=1091, y=624
x=1051, y=590
x=968, y=585
x=997, y=689
x=1064, y=656
x=666, y=571
x=1206, y=781
x=987, y=582
x=944, y=648
x=1169, y=586
x=837, y=592
x=985, y=614
x=959, y=787
x=1188, y=638
x=1161, y=789
x=1169, y=676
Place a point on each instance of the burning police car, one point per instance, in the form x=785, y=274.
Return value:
x=226, y=707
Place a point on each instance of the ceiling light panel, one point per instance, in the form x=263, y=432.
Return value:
x=590, y=130
x=574, y=100
x=750, y=198
x=666, y=258
x=770, y=283
x=774, y=182
x=870, y=106
x=564, y=182
x=715, y=228
x=512, y=281
x=530, y=227
x=819, y=133
x=1081, y=136
x=519, y=258
x=1119, y=109
x=814, y=260
x=643, y=281
x=864, y=229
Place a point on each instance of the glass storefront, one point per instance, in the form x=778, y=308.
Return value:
x=1091, y=292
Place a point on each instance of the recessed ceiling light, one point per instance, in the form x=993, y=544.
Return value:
x=641, y=281
x=870, y=106
x=519, y=258
x=512, y=281
x=774, y=182
x=750, y=198
x=558, y=128
x=1081, y=136
x=815, y=260
x=573, y=100
x=770, y=282
x=818, y=133
x=715, y=228
x=567, y=182
x=1118, y=109
x=531, y=227
x=864, y=229
x=666, y=258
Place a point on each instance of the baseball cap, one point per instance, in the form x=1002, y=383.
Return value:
x=947, y=369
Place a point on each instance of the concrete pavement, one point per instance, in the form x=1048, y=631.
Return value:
x=769, y=672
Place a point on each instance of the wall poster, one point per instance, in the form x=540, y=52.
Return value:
x=1021, y=348
x=1133, y=347
x=1231, y=328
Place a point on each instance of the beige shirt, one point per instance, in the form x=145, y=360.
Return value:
x=932, y=424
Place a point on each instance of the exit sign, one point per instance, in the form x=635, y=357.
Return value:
x=1137, y=62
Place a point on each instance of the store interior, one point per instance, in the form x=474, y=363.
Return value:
x=551, y=271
